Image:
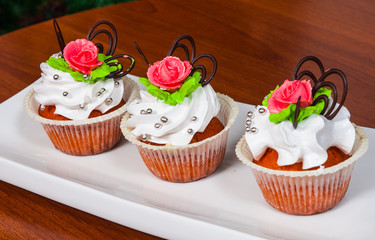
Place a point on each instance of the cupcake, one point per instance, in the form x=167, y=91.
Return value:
x=180, y=124
x=300, y=143
x=82, y=94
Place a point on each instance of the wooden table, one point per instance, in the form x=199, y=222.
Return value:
x=257, y=45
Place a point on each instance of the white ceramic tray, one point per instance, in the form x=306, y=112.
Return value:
x=117, y=186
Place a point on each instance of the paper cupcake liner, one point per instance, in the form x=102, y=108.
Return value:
x=304, y=192
x=190, y=162
x=84, y=137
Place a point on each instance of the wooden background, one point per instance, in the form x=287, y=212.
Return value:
x=257, y=45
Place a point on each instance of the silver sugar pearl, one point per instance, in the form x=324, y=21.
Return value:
x=248, y=122
x=82, y=106
x=194, y=118
x=143, y=111
x=56, y=77
x=65, y=93
x=108, y=101
x=261, y=110
x=164, y=119
x=42, y=107
x=250, y=114
x=144, y=137
x=98, y=94
x=157, y=125
x=254, y=130
x=248, y=129
x=130, y=115
x=190, y=131
x=85, y=76
x=149, y=110
x=117, y=83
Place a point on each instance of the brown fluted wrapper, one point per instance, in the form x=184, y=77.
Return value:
x=84, y=137
x=193, y=161
x=304, y=192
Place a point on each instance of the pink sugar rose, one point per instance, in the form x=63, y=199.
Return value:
x=288, y=93
x=169, y=73
x=82, y=55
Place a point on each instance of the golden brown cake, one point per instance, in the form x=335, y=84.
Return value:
x=269, y=160
x=213, y=128
x=49, y=112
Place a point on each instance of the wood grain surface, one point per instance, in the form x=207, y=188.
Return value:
x=257, y=45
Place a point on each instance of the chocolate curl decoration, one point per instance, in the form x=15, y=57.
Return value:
x=306, y=72
x=203, y=80
x=112, y=38
x=59, y=36
x=140, y=52
x=176, y=44
x=296, y=113
x=118, y=73
x=330, y=110
x=111, y=49
x=321, y=83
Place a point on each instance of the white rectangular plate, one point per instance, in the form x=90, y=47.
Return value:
x=117, y=186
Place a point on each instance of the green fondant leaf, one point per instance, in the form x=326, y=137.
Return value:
x=77, y=76
x=159, y=93
x=102, y=57
x=58, y=63
x=144, y=81
x=98, y=74
x=189, y=86
x=322, y=91
x=283, y=115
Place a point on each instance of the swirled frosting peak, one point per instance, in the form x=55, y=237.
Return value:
x=161, y=123
x=308, y=143
x=75, y=99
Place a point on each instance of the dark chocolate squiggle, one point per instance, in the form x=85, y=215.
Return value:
x=321, y=83
x=140, y=52
x=176, y=44
x=296, y=113
x=111, y=49
x=112, y=38
x=118, y=73
x=330, y=110
x=306, y=72
x=203, y=80
x=59, y=36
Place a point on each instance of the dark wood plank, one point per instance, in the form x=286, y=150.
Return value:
x=25, y=215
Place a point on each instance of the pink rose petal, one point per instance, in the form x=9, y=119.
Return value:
x=169, y=73
x=288, y=93
x=82, y=55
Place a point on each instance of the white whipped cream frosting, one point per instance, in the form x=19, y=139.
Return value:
x=157, y=122
x=308, y=142
x=74, y=99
